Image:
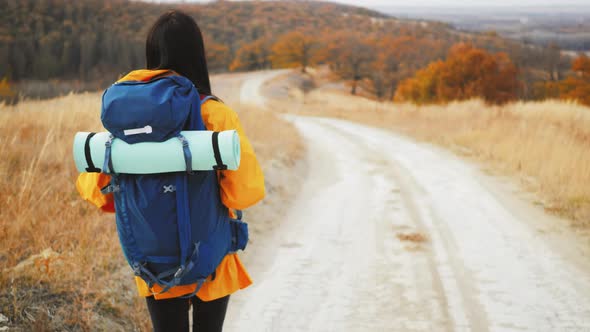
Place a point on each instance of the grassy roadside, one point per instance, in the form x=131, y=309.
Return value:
x=60, y=263
x=280, y=150
x=545, y=144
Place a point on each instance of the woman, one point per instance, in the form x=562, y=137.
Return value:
x=175, y=43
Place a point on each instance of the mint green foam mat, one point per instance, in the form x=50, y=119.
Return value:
x=164, y=157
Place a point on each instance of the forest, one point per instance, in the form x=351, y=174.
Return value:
x=90, y=43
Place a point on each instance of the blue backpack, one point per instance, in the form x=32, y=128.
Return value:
x=173, y=228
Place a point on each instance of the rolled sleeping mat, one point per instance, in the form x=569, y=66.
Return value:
x=154, y=157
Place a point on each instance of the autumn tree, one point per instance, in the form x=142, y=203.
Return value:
x=423, y=88
x=218, y=56
x=385, y=68
x=581, y=65
x=252, y=56
x=295, y=49
x=399, y=58
x=7, y=94
x=350, y=56
x=577, y=87
x=467, y=73
x=471, y=72
x=552, y=61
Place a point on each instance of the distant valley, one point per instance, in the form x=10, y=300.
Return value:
x=566, y=26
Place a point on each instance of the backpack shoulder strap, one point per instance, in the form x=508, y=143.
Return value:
x=204, y=98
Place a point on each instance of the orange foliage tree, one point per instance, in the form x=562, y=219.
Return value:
x=581, y=65
x=294, y=49
x=5, y=89
x=423, y=87
x=7, y=94
x=467, y=73
x=350, y=56
x=577, y=87
x=252, y=56
x=399, y=58
x=218, y=56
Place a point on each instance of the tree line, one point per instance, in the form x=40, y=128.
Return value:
x=383, y=56
x=573, y=87
x=68, y=39
x=423, y=69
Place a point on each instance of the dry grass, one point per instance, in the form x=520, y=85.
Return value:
x=41, y=211
x=274, y=139
x=60, y=263
x=545, y=144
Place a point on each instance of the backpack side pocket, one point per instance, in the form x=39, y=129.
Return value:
x=239, y=234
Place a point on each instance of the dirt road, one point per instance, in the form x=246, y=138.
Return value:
x=235, y=88
x=392, y=235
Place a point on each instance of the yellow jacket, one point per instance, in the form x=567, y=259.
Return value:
x=239, y=189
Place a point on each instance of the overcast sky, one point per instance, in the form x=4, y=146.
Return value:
x=444, y=3
x=460, y=3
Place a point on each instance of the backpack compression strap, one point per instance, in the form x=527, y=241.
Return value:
x=215, y=142
x=188, y=157
x=91, y=168
x=204, y=98
x=107, y=168
x=215, y=138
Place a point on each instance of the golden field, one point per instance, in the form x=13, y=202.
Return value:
x=61, y=267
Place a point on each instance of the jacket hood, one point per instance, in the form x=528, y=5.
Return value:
x=144, y=75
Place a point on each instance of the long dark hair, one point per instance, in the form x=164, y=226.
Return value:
x=175, y=42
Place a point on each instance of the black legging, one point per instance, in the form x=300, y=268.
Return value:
x=171, y=315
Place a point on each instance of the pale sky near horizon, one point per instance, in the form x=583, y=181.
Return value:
x=442, y=3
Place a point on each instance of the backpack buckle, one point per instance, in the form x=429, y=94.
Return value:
x=179, y=273
x=183, y=141
x=136, y=269
x=107, y=168
x=111, y=188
